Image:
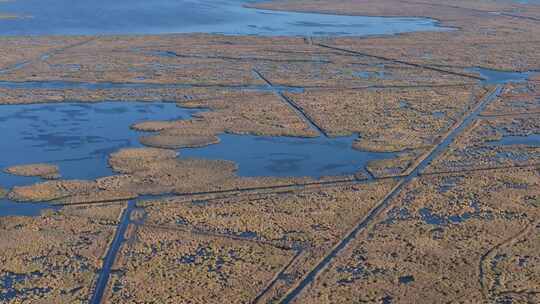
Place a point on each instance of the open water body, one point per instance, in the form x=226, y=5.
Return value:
x=532, y=140
x=501, y=77
x=288, y=156
x=230, y=17
x=78, y=137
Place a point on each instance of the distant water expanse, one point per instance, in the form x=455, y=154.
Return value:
x=78, y=17
x=527, y=1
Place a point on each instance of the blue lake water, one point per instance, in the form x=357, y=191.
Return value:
x=230, y=17
x=78, y=137
x=529, y=140
x=288, y=156
x=500, y=77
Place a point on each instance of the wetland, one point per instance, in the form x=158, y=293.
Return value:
x=79, y=137
x=337, y=151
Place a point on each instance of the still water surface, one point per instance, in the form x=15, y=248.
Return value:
x=79, y=137
x=97, y=17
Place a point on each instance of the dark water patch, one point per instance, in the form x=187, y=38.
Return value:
x=160, y=53
x=406, y=279
x=288, y=156
x=181, y=221
x=9, y=292
x=404, y=104
x=523, y=260
x=532, y=140
x=500, y=77
x=229, y=17
x=201, y=253
x=248, y=234
x=371, y=75
x=397, y=214
x=438, y=114
x=433, y=219
x=11, y=208
x=429, y=218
